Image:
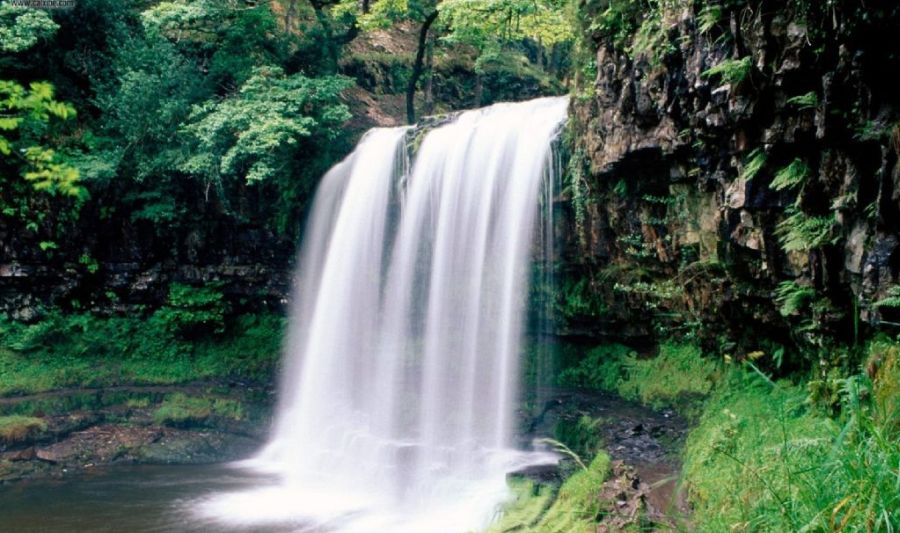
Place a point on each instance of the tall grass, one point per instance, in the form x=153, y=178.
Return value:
x=762, y=459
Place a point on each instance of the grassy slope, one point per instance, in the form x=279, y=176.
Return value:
x=763, y=456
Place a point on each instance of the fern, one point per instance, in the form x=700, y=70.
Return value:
x=805, y=101
x=755, y=161
x=802, y=232
x=791, y=176
x=708, y=18
x=792, y=297
x=892, y=300
x=731, y=71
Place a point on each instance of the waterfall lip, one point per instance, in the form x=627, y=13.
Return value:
x=397, y=399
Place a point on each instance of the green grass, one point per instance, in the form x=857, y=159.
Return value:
x=676, y=377
x=574, y=509
x=761, y=459
x=83, y=350
x=17, y=428
x=180, y=410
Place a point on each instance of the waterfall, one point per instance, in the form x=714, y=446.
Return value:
x=398, y=397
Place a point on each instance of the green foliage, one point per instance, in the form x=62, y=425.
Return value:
x=181, y=410
x=602, y=368
x=709, y=18
x=791, y=176
x=676, y=377
x=574, y=510
x=754, y=162
x=805, y=101
x=25, y=116
x=21, y=28
x=576, y=186
x=254, y=136
x=800, y=232
x=891, y=300
x=731, y=71
x=577, y=439
x=576, y=506
x=617, y=23
x=190, y=310
x=883, y=367
x=529, y=502
x=482, y=24
x=17, y=428
x=83, y=350
x=789, y=468
x=577, y=299
x=793, y=298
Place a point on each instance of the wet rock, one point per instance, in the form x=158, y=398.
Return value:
x=545, y=474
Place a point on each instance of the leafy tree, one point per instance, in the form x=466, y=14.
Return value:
x=25, y=116
x=255, y=136
x=21, y=28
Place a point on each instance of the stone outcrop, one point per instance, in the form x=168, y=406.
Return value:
x=672, y=215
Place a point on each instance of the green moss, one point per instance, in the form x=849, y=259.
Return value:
x=17, y=428
x=181, y=410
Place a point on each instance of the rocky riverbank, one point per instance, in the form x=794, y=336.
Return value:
x=66, y=432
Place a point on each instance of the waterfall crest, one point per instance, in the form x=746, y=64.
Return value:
x=397, y=400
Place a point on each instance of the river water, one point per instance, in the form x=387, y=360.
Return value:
x=135, y=499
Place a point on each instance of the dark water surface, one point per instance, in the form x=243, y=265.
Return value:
x=123, y=499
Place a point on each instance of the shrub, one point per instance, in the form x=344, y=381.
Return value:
x=192, y=310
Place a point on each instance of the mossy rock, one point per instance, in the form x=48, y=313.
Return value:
x=16, y=429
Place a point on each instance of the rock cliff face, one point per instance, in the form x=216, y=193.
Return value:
x=115, y=264
x=756, y=196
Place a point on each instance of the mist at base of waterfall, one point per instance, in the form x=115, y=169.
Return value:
x=452, y=504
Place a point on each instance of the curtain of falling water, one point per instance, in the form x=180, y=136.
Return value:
x=397, y=404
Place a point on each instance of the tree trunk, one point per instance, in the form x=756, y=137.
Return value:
x=479, y=89
x=289, y=15
x=418, y=68
x=429, y=78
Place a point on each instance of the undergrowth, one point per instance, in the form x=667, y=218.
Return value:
x=764, y=459
x=84, y=350
x=676, y=377
x=574, y=509
x=181, y=410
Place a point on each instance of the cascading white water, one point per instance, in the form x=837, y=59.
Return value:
x=398, y=396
